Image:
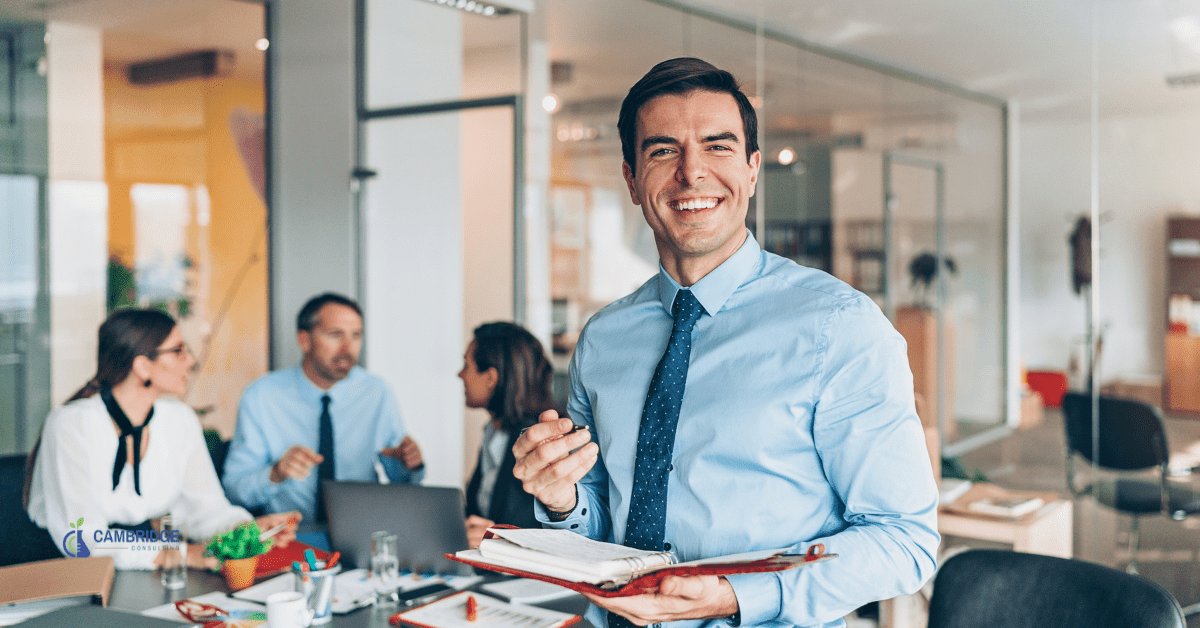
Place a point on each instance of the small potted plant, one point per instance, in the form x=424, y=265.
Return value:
x=239, y=549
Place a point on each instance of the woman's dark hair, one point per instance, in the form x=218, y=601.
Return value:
x=123, y=337
x=523, y=373
x=680, y=76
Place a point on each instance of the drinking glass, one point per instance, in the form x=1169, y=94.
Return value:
x=174, y=554
x=385, y=566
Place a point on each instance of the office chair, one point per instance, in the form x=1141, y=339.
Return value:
x=1132, y=438
x=1005, y=589
x=23, y=540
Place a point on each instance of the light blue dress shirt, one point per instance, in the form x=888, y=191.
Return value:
x=798, y=426
x=283, y=408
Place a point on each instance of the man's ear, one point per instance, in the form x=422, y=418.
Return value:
x=755, y=162
x=631, y=182
x=304, y=339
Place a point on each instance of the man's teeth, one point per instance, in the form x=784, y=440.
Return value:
x=696, y=203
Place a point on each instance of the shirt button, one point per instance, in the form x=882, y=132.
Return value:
x=670, y=467
x=667, y=546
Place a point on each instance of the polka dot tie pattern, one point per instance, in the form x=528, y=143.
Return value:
x=656, y=437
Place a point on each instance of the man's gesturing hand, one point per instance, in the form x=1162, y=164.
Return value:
x=406, y=453
x=545, y=465
x=677, y=598
x=297, y=462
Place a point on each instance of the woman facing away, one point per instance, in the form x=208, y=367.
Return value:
x=118, y=455
x=505, y=372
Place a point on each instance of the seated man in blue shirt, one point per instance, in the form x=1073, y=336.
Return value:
x=327, y=415
x=736, y=401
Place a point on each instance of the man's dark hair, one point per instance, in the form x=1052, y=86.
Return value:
x=680, y=76
x=306, y=320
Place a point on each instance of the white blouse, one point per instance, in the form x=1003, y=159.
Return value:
x=72, y=478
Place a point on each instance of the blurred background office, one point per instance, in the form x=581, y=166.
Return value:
x=450, y=162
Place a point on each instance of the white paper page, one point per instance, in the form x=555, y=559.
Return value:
x=451, y=612
x=567, y=543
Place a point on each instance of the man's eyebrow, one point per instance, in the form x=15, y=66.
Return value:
x=658, y=139
x=727, y=136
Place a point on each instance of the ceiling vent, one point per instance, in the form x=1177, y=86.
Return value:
x=1184, y=80
x=199, y=64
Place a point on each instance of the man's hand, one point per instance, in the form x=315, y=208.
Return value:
x=406, y=453
x=296, y=463
x=545, y=465
x=286, y=535
x=678, y=597
x=476, y=527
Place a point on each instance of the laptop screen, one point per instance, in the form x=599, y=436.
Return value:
x=428, y=521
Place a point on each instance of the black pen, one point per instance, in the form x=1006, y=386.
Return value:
x=574, y=429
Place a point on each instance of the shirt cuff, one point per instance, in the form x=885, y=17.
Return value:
x=575, y=521
x=759, y=597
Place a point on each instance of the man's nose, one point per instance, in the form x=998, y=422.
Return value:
x=691, y=167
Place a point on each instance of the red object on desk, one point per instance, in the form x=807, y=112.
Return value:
x=1052, y=385
x=280, y=559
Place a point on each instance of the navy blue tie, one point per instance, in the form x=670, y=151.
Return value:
x=647, y=521
x=325, y=448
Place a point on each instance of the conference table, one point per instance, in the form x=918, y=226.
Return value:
x=137, y=591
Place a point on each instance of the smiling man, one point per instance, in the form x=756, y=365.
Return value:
x=325, y=419
x=736, y=401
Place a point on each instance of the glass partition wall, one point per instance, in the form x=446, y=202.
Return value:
x=442, y=134
x=869, y=173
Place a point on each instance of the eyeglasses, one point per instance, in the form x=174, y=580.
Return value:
x=178, y=350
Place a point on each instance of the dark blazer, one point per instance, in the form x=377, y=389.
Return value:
x=510, y=503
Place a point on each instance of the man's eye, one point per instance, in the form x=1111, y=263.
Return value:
x=660, y=152
x=719, y=147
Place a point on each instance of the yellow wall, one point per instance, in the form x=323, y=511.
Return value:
x=179, y=133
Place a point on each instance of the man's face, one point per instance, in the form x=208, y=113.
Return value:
x=692, y=179
x=331, y=349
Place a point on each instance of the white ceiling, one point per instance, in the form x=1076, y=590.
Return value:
x=1038, y=52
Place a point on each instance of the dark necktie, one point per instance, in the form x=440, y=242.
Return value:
x=325, y=448
x=127, y=429
x=647, y=521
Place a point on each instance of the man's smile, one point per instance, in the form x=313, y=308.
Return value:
x=694, y=204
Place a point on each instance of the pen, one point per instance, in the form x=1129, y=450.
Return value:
x=311, y=558
x=573, y=429
x=472, y=607
x=333, y=560
x=275, y=530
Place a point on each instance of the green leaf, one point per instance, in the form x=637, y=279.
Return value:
x=240, y=542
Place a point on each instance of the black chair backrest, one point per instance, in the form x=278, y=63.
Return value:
x=1131, y=432
x=1005, y=589
x=23, y=540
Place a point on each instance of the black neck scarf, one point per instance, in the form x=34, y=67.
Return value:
x=127, y=429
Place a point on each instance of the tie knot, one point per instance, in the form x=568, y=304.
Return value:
x=325, y=402
x=686, y=310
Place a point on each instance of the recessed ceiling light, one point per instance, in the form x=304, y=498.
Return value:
x=787, y=156
x=262, y=44
x=550, y=103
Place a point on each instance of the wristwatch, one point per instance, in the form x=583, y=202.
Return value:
x=559, y=516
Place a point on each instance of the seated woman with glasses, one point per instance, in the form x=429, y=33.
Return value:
x=119, y=456
x=505, y=372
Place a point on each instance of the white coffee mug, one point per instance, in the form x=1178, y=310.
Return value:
x=288, y=609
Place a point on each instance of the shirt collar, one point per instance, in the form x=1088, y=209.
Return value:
x=715, y=288
x=312, y=391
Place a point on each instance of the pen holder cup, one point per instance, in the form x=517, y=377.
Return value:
x=317, y=587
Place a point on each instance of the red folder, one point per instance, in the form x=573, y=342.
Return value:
x=649, y=582
x=279, y=559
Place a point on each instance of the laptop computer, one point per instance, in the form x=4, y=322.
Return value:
x=428, y=522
